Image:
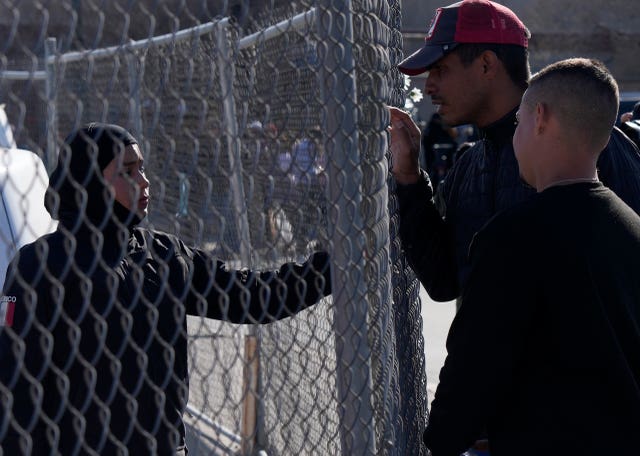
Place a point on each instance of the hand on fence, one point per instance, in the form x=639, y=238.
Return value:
x=405, y=147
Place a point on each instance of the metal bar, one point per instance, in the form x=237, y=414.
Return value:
x=135, y=71
x=23, y=75
x=337, y=82
x=235, y=438
x=298, y=22
x=51, y=93
x=143, y=44
x=225, y=63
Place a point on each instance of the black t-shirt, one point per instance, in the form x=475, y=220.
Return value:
x=545, y=351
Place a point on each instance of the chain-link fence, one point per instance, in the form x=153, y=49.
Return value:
x=264, y=137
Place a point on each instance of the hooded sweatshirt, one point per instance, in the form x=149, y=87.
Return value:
x=96, y=357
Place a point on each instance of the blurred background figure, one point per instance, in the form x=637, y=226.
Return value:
x=439, y=144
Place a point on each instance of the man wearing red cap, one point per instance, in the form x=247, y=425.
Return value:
x=476, y=56
x=477, y=59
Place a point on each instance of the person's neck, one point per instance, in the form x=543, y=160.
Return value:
x=564, y=164
x=505, y=99
x=114, y=228
x=502, y=129
x=575, y=180
x=568, y=178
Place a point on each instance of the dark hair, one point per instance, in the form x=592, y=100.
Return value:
x=514, y=58
x=583, y=93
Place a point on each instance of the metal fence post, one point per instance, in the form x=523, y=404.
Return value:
x=337, y=82
x=225, y=64
x=252, y=424
x=51, y=94
x=135, y=69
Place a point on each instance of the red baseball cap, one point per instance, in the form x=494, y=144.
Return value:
x=468, y=21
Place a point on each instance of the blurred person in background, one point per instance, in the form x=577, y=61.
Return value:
x=439, y=144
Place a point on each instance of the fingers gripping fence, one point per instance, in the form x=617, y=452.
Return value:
x=264, y=139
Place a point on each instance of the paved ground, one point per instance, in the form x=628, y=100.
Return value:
x=205, y=438
x=436, y=319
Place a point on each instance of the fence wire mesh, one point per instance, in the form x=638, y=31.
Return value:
x=263, y=128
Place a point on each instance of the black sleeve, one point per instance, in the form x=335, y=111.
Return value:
x=619, y=168
x=483, y=345
x=24, y=356
x=245, y=296
x=427, y=240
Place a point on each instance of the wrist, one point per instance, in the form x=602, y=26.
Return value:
x=406, y=178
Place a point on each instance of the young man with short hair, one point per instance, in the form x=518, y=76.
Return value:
x=554, y=284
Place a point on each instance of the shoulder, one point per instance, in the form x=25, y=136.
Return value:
x=48, y=252
x=619, y=168
x=510, y=227
x=159, y=242
x=508, y=219
x=619, y=146
x=632, y=129
x=49, y=246
x=631, y=125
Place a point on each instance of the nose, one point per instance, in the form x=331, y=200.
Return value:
x=429, y=84
x=142, y=180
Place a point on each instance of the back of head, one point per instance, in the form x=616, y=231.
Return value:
x=583, y=96
x=76, y=190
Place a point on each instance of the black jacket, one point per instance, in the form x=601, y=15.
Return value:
x=98, y=346
x=436, y=231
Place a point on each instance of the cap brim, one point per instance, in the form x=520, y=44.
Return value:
x=420, y=61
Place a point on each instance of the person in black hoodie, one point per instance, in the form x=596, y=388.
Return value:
x=95, y=359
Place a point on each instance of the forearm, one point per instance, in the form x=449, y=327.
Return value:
x=427, y=241
x=296, y=287
x=247, y=297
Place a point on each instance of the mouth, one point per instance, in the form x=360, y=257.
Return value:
x=143, y=202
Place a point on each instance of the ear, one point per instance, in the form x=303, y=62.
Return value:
x=541, y=117
x=489, y=62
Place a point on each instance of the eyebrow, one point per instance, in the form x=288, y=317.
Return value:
x=132, y=162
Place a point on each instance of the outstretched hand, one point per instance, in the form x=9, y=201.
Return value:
x=405, y=147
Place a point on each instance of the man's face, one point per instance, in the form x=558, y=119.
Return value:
x=524, y=141
x=125, y=175
x=456, y=91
